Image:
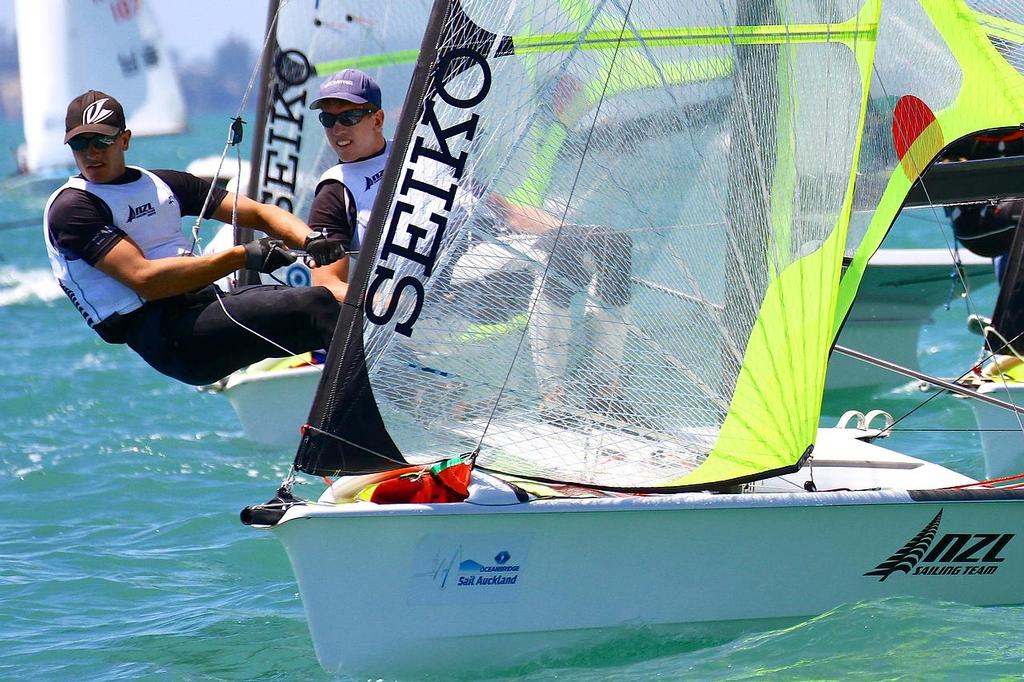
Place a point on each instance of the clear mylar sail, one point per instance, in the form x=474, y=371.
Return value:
x=609, y=244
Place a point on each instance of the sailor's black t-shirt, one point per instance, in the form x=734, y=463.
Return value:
x=334, y=212
x=344, y=197
x=81, y=224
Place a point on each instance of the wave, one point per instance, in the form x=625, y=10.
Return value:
x=19, y=286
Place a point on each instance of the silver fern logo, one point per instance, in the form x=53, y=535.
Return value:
x=950, y=554
x=908, y=555
x=95, y=113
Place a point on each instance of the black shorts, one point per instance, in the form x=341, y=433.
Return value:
x=611, y=263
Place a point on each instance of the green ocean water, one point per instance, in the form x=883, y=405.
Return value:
x=122, y=556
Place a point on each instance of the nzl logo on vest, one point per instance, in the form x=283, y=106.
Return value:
x=948, y=554
x=372, y=180
x=436, y=161
x=140, y=211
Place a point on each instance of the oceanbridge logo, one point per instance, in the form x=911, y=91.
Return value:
x=950, y=554
x=501, y=572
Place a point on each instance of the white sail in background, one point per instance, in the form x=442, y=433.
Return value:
x=67, y=47
x=161, y=110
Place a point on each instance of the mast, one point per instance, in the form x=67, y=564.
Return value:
x=244, y=234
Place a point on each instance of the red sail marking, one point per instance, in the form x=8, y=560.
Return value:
x=916, y=135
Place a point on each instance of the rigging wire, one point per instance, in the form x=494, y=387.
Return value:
x=942, y=391
x=958, y=271
x=235, y=131
x=234, y=139
x=957, y=430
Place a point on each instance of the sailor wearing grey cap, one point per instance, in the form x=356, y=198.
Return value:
x=114, y=237
x=353, y=121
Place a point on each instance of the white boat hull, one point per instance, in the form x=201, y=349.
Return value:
x=273, y=406
x=418, y=588
x=1002, y=438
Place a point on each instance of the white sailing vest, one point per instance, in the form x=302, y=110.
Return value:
x=362, y=179
x=147, y=211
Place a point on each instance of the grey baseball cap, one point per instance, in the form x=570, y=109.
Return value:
x=351, y=85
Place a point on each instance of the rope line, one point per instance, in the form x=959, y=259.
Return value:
x=234, y=139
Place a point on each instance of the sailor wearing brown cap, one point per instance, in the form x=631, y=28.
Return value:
x=114, y=237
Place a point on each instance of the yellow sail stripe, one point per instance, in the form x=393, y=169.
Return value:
x=370, y=61
x=998, y=27
x=696, y=36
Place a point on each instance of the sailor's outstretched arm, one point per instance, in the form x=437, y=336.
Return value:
x=164, y=277
x=334, y=277
x=271, y=219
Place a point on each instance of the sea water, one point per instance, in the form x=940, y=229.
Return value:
x=122, y=557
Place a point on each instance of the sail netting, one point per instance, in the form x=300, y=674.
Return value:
x=313, y=41
x=607, y=247
x=943, y=70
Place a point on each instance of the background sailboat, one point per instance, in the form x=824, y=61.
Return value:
x=66, y=47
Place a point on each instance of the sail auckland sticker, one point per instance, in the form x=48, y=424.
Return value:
x=933, y=553
x=468, y=569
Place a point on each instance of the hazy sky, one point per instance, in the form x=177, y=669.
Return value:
x=194, y=28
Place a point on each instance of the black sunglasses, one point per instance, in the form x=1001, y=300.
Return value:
x=346, y=118
x=82, y=142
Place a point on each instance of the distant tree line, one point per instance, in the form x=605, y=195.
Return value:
x=219, y=83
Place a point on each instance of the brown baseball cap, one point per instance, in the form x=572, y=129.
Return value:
x=93, y=112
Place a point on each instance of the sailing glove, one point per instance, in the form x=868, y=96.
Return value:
x=321, y=250
x=267, y=254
